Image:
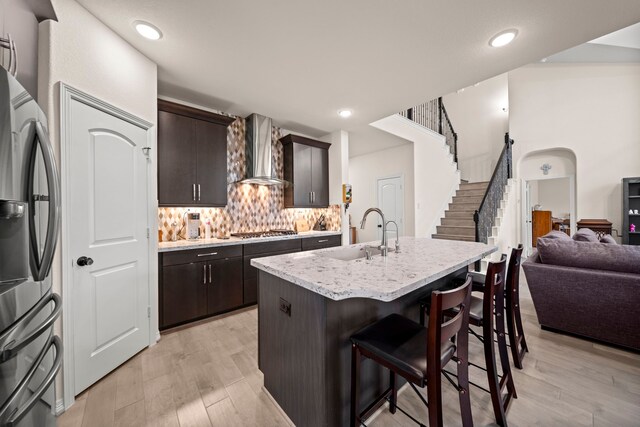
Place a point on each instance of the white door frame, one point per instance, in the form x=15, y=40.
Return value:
x=67, y=95
x=526, y=228
x=401, y=177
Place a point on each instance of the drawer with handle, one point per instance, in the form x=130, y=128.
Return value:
x=319, y=242
x=198, y=255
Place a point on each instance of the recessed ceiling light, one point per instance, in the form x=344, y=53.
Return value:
x=503, y=38
x=345, y=113
x=147, y=30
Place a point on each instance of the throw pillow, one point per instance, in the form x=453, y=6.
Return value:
x=586, y=235
x=555, y=234
x=608, y=238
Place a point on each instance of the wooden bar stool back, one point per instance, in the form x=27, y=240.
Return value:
x=488, y=313
x=512, y=300
x=418, y=354
x=513, y=317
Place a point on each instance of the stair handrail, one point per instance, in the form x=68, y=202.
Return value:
x=485, y=216
x=433, y=115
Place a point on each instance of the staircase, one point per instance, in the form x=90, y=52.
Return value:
x=458, y=223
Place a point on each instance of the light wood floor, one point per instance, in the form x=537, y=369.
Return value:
x=207, y=375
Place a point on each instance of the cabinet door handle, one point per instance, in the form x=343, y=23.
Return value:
x=209, y=254
x=210, y=281
x=194, y=192
x=198, y=192
x=310, y=200
x=323, y=241
x=313, y=197
x=204, y=274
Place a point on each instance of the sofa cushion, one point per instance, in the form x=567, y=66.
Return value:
x=591, y=255
x=608, y=238
x=555, y=234
x=586, y=235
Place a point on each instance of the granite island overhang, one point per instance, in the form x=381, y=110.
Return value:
x=310, y=303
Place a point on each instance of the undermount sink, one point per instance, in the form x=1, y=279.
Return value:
x=350, y=253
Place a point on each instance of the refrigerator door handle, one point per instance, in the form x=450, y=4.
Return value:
x=10, y=350
x=12, y=418
x=53, y=182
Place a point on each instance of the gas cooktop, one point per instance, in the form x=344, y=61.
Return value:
x=270, y=233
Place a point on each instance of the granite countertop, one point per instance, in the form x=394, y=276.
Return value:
x=182, y=245
x=419, y=262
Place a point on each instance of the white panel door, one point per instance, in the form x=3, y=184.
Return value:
x=391, y=202
x=108, y=223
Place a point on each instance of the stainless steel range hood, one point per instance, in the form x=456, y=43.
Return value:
x=258, y=152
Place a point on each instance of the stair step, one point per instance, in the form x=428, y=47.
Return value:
x=454, y=237
x=457, y=222
x=474, y=186
x=459, y=214
x=468, y=199
x=456, y=230
x=477, y=192
x=471, y=207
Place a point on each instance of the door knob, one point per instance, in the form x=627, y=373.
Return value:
x=83, y=261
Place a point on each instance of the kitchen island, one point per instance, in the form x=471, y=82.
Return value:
x=310, y=303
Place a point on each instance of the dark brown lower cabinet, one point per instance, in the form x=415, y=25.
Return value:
x=251, y=275
x=198, y=283
x=184, y=295
x=224, y=292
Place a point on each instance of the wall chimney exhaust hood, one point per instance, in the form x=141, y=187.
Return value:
x=258, y=152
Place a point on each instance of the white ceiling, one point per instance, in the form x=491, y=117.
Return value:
x=627, y=37
x=300, y=61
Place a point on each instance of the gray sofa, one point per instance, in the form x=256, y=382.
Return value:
x=590, y=289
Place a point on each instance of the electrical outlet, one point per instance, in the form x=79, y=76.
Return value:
x=285, y=307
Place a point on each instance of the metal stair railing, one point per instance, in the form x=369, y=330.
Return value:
x=485, y=216
x=433, y=115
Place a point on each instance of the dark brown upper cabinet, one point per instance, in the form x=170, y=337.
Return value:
x=306, y=167
x=192, y=156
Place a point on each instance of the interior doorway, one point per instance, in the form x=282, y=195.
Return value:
x=391, y=202
x=549, y=204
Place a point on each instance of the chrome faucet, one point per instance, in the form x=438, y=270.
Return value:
x=383, y=243
x=397, y=234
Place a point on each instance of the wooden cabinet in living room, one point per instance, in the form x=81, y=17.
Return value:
x=192, y=156
x=306, y=167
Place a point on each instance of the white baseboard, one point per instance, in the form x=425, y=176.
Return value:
x=59, y=407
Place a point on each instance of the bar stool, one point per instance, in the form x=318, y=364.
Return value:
x=417, y=354
x=488, y=312
x=515, y=331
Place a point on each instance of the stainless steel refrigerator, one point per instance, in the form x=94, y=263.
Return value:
x=30, y=353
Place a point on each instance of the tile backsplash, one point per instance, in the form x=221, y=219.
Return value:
x=249, y=207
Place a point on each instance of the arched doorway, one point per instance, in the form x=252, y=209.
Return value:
x=549, y=184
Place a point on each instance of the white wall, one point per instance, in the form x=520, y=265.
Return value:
x=553, y=195
x=84, y=53
x=477, y=117
x=364, y=172
x=590, y=109
x=339, y=174
x=436, y=177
